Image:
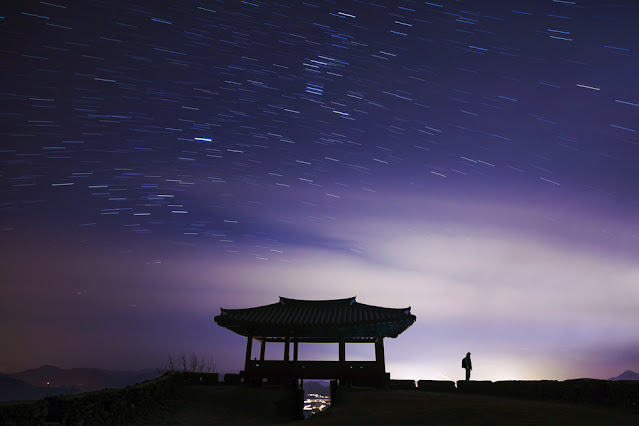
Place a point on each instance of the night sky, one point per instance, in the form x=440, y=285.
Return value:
x=475, y=160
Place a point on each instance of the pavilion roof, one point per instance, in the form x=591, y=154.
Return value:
x=316, y=320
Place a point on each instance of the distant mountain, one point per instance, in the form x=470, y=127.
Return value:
x=626, y=375
x=84, y=378
x=49, y=380
x=14, y=389
x=318, y=387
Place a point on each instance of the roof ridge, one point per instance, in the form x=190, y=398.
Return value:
x=346, y=301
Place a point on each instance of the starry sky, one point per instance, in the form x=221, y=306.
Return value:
x=476, y=161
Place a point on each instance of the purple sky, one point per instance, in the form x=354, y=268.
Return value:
x=473, y=161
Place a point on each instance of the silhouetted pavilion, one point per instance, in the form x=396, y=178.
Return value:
x=316, y=321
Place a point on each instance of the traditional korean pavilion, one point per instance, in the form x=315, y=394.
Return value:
x=316, y=321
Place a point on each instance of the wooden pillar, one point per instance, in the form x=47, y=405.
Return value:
x=333, y=393
x=295, y=342
x=342, y=361
x=249, y=348
x=379, y=355
x=287, y=341
x=262, y=350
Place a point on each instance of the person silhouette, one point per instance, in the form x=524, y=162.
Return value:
x=468, y=365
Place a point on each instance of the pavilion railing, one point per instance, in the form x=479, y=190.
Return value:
x=313, y=369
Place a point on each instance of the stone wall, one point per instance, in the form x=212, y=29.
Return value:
x=107, y=406
x=402, y=384
x=232, y=379
x=436, y=386
x=622, y=393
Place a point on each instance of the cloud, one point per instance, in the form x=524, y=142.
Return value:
x=521, y=298
x=516, y=296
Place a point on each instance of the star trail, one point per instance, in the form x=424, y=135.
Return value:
x=475, y=160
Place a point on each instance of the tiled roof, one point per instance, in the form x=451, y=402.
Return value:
x=317, y=318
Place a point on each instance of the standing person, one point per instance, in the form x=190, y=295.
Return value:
x=468, y=365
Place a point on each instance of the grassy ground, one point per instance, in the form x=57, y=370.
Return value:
x=214, y=405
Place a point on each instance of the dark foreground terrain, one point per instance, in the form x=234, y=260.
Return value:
x=213, y=405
